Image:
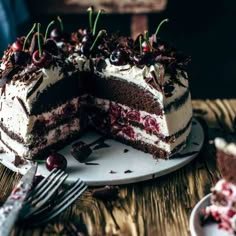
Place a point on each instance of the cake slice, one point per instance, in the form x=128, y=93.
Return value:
x=137, y=94
x=223, y=197
x=39, y=108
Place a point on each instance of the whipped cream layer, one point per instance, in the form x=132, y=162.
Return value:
x=22, y=125
x=61, y=132
x=168, y=124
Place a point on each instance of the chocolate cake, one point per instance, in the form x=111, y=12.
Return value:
x=223, y=197
x=135, y=91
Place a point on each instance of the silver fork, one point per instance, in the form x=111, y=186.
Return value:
x=38, y=206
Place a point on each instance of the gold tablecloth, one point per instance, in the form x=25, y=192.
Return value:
x=160, y=206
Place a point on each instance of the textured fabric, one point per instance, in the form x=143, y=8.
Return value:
x=12, y=13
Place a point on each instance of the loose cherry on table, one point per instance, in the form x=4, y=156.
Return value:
x=43, y=61
x=56, y=161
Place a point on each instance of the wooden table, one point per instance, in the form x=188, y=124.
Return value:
x=158, y=207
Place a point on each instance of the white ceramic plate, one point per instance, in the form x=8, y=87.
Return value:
x=210, y=229
x=140, y=166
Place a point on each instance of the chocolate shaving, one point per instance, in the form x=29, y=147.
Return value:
x=108, y=193
x=23, y=106
x=18, y=161
x=112, y=172
x=3, y=90
x=126, y=150
x=177, y=81
x=34, y=88
x=91, y=163
x=187, y=154
x=195, y=143
x=128, y=171
x=101, y=145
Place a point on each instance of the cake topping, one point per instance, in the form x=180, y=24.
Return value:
x=40, y=57
x=80, y=151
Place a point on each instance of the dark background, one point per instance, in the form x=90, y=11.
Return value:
x=205, y=30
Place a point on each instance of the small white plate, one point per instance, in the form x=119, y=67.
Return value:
x=139, y=165
x=209, y=229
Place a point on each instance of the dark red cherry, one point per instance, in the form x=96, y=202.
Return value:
x=138, y=59
x=80, y=151
x=56, y=34
x=51, y=47
x=118, y=57
x=20, y=58
x=16, y=46
x=57, y=161
x=85, y=48
x=43, y=61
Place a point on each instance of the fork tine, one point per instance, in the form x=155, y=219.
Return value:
x=50, y=190
x=66, y=193
x=49, y=215
x=37, y=202
x=45, y=179
x=47, y=184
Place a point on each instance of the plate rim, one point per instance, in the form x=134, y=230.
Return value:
x=194, y=214
x=130, y=178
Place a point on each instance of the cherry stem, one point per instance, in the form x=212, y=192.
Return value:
x=47, y=30
x=61, y=23
x=90, y=10
x=39, y=41
x=159, y=26
x=27, y=36
x=146, y=37
x=96, y=21
x=140, y=44
x=100, y=33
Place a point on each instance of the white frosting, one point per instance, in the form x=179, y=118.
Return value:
x=80, y=62
x=51, y=137
x=20, y=89
x=21, y=124
x=229, y=148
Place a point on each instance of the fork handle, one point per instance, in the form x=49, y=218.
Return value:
x=8, y=215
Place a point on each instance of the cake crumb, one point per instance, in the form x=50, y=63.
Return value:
x=18, y=161
x=128, y=171
x=107, y=193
